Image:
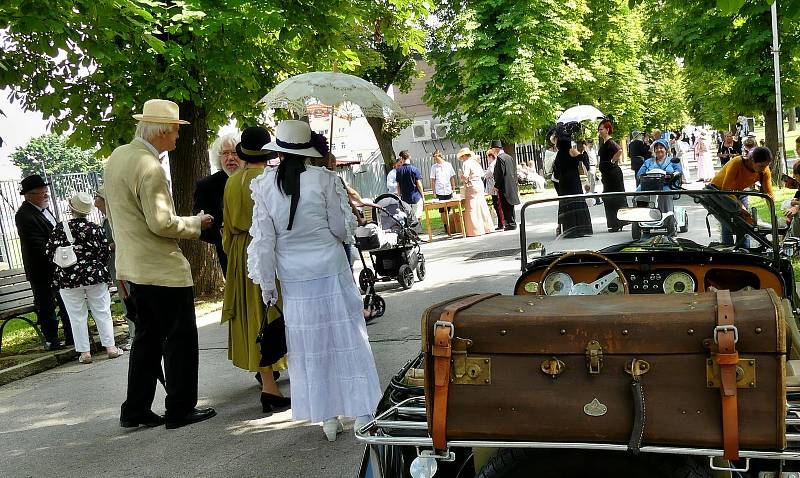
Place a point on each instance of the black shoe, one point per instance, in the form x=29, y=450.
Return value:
x=510, y=227
x=149, y=420
x=498, y=228
x=53, y=346
x=196, y=415
x=275, y=402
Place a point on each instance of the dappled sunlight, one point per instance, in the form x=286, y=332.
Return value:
x=61, y=415
x=276, y=421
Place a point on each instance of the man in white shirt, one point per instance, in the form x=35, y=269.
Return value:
x=443, y=181
x=391, y=178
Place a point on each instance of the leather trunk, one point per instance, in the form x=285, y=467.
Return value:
x=511, y=397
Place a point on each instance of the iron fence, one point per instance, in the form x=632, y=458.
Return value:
x=62, y=186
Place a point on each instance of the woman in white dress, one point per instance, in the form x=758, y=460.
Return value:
x=301, y=216
x=702, y=154
x=477, y=218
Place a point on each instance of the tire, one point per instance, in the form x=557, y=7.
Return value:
x=366, y=278
x=375, y=305
x=405, y=276
x=672, y=226
x=685, y=227
x=636, y=231
x=421, y=267
x=526, y=462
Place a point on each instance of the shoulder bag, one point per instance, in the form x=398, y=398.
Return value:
x=65, y=255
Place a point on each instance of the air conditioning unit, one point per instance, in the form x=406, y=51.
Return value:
x=440, y=130
x=421, y=131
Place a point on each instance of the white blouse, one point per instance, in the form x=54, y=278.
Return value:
x=313, y=248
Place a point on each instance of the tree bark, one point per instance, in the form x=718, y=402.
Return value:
x=510, y=148
x=771, y=139
x=187, y=164
x=792, y=119
x=384, y=143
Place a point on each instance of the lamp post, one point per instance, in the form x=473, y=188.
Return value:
x=776, y=52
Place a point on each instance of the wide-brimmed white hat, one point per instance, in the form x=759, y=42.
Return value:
x=160, y=111
x=464, y=152
x=292, y=136
x=81, y=203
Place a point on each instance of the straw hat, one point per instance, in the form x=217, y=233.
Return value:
x=82, y=203
x=160, y=111
x=464, y=152
x=294, y=137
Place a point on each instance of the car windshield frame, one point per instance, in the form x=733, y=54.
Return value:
x=716, y=209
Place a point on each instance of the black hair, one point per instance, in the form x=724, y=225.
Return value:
x=761, y=155
x=404, y=154
x=288, y=180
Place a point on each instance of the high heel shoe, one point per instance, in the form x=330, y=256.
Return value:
x=331, y=427
x=270, y=402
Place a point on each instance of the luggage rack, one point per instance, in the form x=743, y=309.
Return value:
x=405, y=424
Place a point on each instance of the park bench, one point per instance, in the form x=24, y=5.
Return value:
x=16, y=300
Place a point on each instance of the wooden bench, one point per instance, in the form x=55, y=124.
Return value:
x=16, y=300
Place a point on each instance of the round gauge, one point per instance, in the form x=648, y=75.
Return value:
x=614, y=288
x=678, y=282
x=557, y=283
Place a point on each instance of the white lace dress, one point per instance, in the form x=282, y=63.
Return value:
x=330, y=360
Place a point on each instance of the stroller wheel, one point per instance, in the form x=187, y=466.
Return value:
x=405, y=276
x=421, y=267
x=365, y=279
x=375, y=305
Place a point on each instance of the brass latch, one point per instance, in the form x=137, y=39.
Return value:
x=460, y=347
x=552, y=367
x=637, y=368
x=478, y=371
x=745, y=373
x=594, y=357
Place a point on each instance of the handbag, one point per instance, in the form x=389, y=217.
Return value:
x=65, y=255
x=272, y=338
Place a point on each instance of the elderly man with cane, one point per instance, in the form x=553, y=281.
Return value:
x=146, y=230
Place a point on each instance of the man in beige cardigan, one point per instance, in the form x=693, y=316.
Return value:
x=146, y=229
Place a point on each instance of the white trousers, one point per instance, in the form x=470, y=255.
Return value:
x=97, y=298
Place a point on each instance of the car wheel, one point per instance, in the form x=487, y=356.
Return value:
x=685, y=227
x=636, y=231
x=405, y=276
x=366, y=278
x=421, y=267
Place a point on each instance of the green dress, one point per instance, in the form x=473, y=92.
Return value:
x=242, y=306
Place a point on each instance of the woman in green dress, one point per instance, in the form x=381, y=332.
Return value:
x=242, y=306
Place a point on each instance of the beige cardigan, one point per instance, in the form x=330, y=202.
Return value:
x=142, y=215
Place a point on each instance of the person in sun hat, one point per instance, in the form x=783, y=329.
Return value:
x=477, y=218
x=85, y=282
x=242, y=308
x=301, y=217
x=146, y=229
x=35, y=220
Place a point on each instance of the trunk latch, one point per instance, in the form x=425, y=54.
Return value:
x=594, y=357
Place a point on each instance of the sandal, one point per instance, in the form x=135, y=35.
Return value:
x=85, y=357
x=113, y=352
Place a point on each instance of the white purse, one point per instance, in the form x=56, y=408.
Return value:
x=65, y=255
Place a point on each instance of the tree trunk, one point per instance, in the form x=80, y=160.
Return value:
x=384, y=143
x=510, y=148
x=771, y=139
x=187, y=164
x=792, y=118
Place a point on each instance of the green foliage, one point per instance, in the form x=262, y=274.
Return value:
x=53, y=151
x=665, y=93
x=499, y=69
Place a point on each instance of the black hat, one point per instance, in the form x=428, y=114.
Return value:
x=253, y=139
x=497, y=144
x=31, y=182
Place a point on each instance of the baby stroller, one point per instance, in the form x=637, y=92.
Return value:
x=673, y=219
x=392, y=243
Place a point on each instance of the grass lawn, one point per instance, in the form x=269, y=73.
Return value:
x=789, y=138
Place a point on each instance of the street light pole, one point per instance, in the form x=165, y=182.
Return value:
x=776, y=52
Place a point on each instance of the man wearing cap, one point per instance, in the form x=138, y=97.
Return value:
x=505, y=181
x=35, y=221
x=146, y=230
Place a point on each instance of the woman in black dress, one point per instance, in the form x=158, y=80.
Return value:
x=573, y=214
x=610, y=155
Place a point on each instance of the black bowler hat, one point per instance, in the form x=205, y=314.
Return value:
x=253, y=139
x=31, y=182
x=497, y=144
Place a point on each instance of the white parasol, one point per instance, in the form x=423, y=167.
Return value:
x=580, y=113
x=332, y=88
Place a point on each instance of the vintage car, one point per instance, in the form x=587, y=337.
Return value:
x=521, y=416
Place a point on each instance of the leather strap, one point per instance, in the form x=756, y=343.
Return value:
x=637, y=432
x=441, y=350
x=728, y=359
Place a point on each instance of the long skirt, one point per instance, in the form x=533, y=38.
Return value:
x=613, y=182
x=330, y=360
x=477, y=218
x=574, y=217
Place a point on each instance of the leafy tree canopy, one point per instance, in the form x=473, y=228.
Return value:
x=53, y=152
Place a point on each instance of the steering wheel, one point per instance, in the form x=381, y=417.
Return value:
x=583, y=288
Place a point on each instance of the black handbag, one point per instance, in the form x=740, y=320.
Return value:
x=272, y=338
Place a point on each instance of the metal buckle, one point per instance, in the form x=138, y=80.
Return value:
x=726, y=328
x=731, y=469
x=444, y=323
x=445, y=455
